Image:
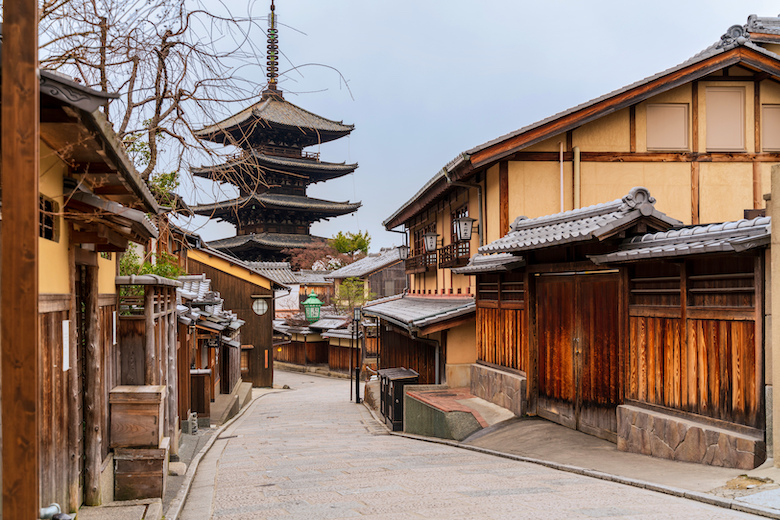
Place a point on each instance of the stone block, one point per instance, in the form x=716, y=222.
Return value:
x=663, y=435
x=504, y=389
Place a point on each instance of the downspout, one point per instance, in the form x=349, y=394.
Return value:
x=576, y=172
x=560, y=163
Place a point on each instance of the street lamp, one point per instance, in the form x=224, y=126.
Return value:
x=356, y=339
x=463, y=228
x=430, y=241
x=311, y=308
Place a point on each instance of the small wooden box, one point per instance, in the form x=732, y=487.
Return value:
x=141, y=472
x=137, y=416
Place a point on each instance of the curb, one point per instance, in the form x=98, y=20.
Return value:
x=173, y=511
x=642, y=484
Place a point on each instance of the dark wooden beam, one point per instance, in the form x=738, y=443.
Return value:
x=111, y=189
x=19, y=280
x=694, y=193
x=92, y=168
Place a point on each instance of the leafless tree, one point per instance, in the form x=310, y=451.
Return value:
x=172, y=61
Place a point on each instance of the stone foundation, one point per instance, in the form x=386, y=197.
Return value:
x=651, y=432
x=457, y=375
x=505, y=389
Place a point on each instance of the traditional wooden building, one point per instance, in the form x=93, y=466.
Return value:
x=249, y=294
x=700, y=136
x=618, y=321
x=272, y=172
x=92, y=204
x=382, y=274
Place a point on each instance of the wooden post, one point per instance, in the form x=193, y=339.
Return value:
x=163, y=339
x=149, y=368
x=93, y=399
x=173, y=394
x=19, y=327
x=74, y=381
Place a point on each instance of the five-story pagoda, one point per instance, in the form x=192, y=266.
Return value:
x=272, y=172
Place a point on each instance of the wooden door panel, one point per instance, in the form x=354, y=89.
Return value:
x=555, y=321
x=597, y=353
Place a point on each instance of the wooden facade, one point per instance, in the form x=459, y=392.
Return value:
x=239, y=294
x=683, y=336
x=397, y=349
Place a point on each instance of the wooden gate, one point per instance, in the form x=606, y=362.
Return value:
x=578, y=331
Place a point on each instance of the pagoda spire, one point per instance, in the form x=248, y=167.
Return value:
x=272, y=62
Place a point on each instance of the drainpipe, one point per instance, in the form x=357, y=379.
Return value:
x=576, y=170
x=479, y=200
x=560, y=164
x=54, y=512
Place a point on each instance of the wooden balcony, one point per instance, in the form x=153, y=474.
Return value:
x=454, y=255
x=421, y=263
x=294, y=153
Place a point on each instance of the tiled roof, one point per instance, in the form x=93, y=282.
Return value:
x=734, y=236
x=328, y=323
x=280, y=272
x=278, y=200
x=270, y=240
x=255, y=158
x=491, y=264
x=414, y=313
x=276, y=110
x=309, y=277
x=369, y=264
x=580, y=225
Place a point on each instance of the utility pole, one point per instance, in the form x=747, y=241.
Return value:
x=19, y=259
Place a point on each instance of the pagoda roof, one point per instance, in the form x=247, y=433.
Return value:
x=266, y=241
x=268, y=116
x=282, y=201
x=248, y=163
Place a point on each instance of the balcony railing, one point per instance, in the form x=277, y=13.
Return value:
x=421, y=263
x=293, y=153
x=454, y=255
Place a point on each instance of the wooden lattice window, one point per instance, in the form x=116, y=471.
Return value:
x=512, y=287
x=487, y=287
x=418, y=242
x=49, y=220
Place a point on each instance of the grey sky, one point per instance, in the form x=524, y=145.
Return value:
x=433, y=78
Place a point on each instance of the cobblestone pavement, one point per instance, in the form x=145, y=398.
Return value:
x=309, y=453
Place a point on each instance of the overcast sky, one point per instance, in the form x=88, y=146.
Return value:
x=431, y=79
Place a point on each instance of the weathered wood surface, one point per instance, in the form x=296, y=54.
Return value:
x=93, y=393
x=341, y=359
x=141, y=473
x=21, y=432
x=704, y=357
x=137, y=416
x=201, y=392
x=133, y=348
x=258, y=330
x=502, y=320
x=183, y=362
x=398, y=350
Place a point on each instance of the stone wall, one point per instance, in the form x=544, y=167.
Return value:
x=505, y=389
x=661, y=435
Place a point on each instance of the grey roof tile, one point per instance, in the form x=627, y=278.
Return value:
x=280, y=272
x=580, y=224
x=496, y=263
x=414, y=313
x=732, y=236
x=369, y=264
x=278, y=200
x=273, y=240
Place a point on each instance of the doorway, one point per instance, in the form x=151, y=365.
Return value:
x=578, y=338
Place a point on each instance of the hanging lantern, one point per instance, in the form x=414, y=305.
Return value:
x=403, y=252
x=311, y=308
x=463, y=228
x=430, y=242
x=356, y=314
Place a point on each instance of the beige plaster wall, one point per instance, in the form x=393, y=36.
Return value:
x=548, y=145
x=534, y=188
x=725, y=191
x=53, y=268
x=611, y=133
x=462, y=343
x=107, y=274
x=492, y=206
x=669, y=183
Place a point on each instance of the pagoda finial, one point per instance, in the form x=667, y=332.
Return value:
x=273, y=50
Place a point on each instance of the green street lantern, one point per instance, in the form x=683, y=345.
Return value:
x=311, y=307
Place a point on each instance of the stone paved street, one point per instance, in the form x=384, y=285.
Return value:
x=309, y=453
